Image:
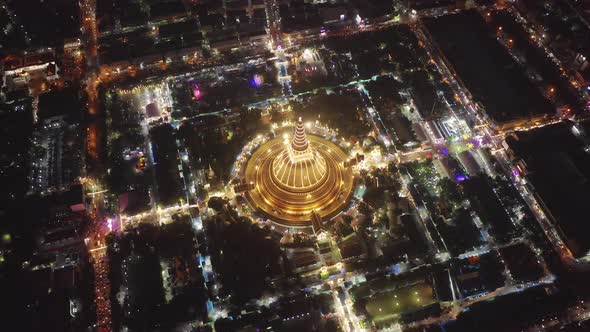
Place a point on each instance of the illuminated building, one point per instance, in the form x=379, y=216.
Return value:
x=291, y=178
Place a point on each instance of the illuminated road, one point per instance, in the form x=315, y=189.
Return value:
x=381, y=130
x=274, y=24
x=97, y=229
x=95, y=239
x=161, y=215
x=90, y=44
x=456, y=309
x=343, y=303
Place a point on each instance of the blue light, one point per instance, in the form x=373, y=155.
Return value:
x=256, y=81
x=460, y=177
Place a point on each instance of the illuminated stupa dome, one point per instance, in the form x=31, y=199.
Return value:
x=294, y=177
x=299, y=167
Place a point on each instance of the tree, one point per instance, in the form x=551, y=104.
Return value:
x=365, y=209
x=449, y=191
x=216, y=203
x=243, y=255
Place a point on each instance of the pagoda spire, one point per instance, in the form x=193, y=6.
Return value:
x=299, y=142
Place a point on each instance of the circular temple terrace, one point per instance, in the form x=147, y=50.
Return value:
x=294, y=178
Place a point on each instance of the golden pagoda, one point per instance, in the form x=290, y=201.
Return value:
x=294, y=177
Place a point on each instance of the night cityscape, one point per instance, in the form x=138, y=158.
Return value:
x=295, y=165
